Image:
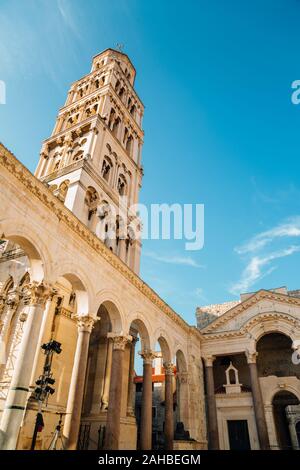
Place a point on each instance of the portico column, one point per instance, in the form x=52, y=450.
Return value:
x=169, y=405
x=105, y=394
x=130, y=405
x=146, y=411
x=47, y=321
x=18, y=392
x=213, y=434
x=85, y=325
x=112, y=432
x=259, y=411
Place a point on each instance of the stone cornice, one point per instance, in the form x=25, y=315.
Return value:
x=260, y=295
x=19, y=172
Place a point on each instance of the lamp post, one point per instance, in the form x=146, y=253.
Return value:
x=44, y=388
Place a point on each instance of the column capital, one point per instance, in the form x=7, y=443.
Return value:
x=148, y=356
x=251, y=356
x=209, y=360
x=169, y=368
x=85, y=322
x=37, y=293
x=119, y=341
x=12, y=298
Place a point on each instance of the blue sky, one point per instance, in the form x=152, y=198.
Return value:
x=220, y=127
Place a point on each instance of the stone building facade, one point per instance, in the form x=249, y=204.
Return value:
x=251, y=352
x=69, y=272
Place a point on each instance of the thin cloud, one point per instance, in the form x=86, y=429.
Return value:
x=254, y=270
x=179, y=260
x=290, y=228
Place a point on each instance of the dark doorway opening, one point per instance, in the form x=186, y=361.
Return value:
x=238, y=434
x=280, y=402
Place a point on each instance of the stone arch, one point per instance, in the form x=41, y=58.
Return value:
x=272, y=323
x=181, y=362
x=139, y=323
x=161, y=337
x=8, y=284
x=80, y=285
x=272, y=391
x=40, y=260
x=113, y=305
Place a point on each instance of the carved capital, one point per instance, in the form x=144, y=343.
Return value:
x=119, y=341
x=148, y=356
x=169, y=368
x=85, y=323
x=209, y=360
x=251, y=356
x=12, y=299
x=36, y=293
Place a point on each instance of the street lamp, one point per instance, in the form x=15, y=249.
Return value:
x=44, y=389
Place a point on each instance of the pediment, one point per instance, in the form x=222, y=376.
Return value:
x=263, y=305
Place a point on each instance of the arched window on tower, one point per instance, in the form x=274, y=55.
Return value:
x=116, y=126
x=132, y=110
x=62, y=190
x=125, y=135
x=111, y=117
x=122, y=185
x=121, y=92
x=91, y=200
x=129, y=144
x=78, y=156
x=117, y=86
x=106, y=168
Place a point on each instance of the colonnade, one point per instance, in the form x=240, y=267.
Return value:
x=38, y=302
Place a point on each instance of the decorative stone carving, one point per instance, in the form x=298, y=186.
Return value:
x=209, y=360
x=37, y=293
x=85, y=322
x=169, y=368
x=251, y=356
x=148, y=356
x=120, y=341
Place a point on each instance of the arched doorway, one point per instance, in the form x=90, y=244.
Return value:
x=285, y=405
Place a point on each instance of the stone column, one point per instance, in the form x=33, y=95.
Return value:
x=213, y=434
x=112, y=432
x=146, y=415
x=169, y=405
x=130, y=394
x=85, y=325
x=18, y=392
x=259, y=411
x=47, y=318
x=182, y=393
x=105, y=394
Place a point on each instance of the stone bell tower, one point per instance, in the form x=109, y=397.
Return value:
x=93, y=156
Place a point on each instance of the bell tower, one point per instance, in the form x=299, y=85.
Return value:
x=92, y=160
